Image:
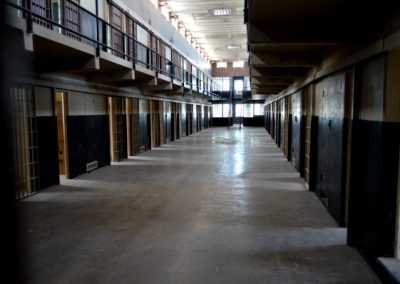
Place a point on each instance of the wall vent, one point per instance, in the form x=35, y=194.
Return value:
x=91, y=166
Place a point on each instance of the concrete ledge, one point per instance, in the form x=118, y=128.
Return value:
x=390, y=266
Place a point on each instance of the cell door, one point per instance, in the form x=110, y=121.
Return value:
x=296, y=132
x=117, y=128
x=130, y=30
x=172, y=115
x=178, y=127
x=141, y=46
x=183, y=122
x=329, y=167
x=144, y=122
x=168, y=124
x=155, y=45
x=25, y=142
x=61, y=104
x=206, y=117
x=282, y=124
x=116, y=35
x=41, y=8
x=71, y=17
x=133, y=126
x=188, y=123
x=155, y=123
x=199, y=118
x=278, y=122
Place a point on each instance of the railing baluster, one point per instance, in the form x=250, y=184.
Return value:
x=131, y=48
x=29, y=21
x=97, y=30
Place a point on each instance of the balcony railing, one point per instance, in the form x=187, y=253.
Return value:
x=78, y=23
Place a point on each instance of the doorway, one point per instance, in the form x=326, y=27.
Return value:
x=61, y=106
x=238, y=83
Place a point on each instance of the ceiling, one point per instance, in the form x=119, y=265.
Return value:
x=283, y=40
x=290, y=39
x=215, y=33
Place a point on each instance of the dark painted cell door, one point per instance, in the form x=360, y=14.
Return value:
x=329, y=166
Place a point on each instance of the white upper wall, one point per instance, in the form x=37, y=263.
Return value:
x=91, y=5
x=86, y=104
x=145, y=12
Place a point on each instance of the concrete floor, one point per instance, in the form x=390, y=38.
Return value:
x=216, y=207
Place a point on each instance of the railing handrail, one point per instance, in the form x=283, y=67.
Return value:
x=159, y=64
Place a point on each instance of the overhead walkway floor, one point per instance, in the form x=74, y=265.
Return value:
x=220, y=206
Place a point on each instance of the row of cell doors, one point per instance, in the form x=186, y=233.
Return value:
x=319, y=155
x=126, y=127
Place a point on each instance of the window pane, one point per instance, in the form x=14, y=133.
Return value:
x=226, y=84
x=225, y=110
x=248, y=110
x=238, y=88
x=258, y=109
x=217, y=110
x=239, y=110
x=246, y=84
x=217, y=83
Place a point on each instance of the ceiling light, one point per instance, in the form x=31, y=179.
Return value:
x=233, y=46
x=222, y=12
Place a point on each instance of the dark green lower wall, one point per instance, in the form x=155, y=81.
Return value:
x=48, y=150
x=253, y=121
x=257, y=121
x=221, y=121
x=374, y=178
x=88, y=141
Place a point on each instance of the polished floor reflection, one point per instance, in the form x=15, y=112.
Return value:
x=220, y=206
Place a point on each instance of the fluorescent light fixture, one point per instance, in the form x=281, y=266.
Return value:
x=221, y=12
x=233, y=46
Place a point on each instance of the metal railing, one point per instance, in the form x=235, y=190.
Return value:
x=85, y=26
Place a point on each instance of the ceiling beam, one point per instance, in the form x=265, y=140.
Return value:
x=271, y=81
x=273, y=72
x=266, y=89
x=260, y=59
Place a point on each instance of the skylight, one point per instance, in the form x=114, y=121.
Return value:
x=238, y=64
x=222, y=64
